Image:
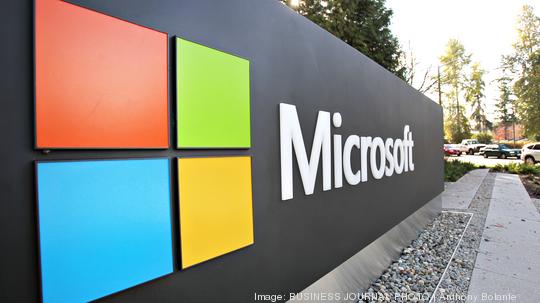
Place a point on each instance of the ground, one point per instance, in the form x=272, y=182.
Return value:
x=482, y=248
x=532, y=184
x=480, y=160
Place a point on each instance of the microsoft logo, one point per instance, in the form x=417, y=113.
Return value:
x=103, y=84
x=212, y=98
x=213, y=112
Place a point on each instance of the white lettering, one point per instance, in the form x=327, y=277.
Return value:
x=398, y=162
x=389, y=170
x=377, y=170
x=352, y=178
x=291, y=136
x=386, y=157
x=365, y=145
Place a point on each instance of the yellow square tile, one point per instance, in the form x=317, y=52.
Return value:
x=216, y=212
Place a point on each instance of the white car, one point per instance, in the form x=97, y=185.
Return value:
x=530, y=153
x=470, y=146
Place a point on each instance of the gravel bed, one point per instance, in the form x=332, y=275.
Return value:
x=414, y=276
x=455, y=283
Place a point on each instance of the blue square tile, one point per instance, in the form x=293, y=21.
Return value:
x=104, y=226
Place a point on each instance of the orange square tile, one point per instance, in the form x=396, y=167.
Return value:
x=101, y=82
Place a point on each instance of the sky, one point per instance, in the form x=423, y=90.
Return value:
x=487, y=29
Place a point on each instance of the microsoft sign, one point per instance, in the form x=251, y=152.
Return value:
x=385, y=157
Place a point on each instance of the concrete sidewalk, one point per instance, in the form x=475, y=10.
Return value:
x=459, y=194
x=508, y=261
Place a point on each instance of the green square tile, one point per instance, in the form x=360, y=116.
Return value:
x=212, y=98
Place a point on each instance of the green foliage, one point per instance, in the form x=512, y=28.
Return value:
x=311, y=9
x=474, y=94
x=484, y=138
x=511, y=144
x=453, y=170
x=517, y=168
x=505, y=103
x=454, y=62
x=363, y=24
x=456, y=125
x=499, y=168
x=524, y=63
x=453, y=79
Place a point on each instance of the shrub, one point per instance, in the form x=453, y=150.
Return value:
x=517, y=145
x=484, y=138
x=498, y=168
x=453, y=170
x=517, y=168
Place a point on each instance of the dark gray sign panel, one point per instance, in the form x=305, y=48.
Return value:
x=298, y=238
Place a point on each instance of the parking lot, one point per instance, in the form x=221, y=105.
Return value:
x=480, y=160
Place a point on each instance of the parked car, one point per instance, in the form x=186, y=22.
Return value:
x=470, y=146
x=482, y=150
x=451, y=150
x=501, y=151
x=530, y=153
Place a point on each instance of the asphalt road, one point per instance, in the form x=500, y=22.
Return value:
x=480, y=160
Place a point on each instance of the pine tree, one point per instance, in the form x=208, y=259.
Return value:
x=363, y=24
x=454, y=128
x=505, y=113
x=311, y=9
x=454, y=63
x=474, y=94
x=525, y=65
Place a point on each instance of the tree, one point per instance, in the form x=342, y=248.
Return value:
x=311, y=9
x=454, y=130
x=410, y=70
x=363, y=24
x=505, y=106
x=484, y=138
x=454, y=63
x=524, y=63
x=474, y=94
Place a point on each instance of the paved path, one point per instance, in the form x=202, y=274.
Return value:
x=508, y=261
x=458, y=195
